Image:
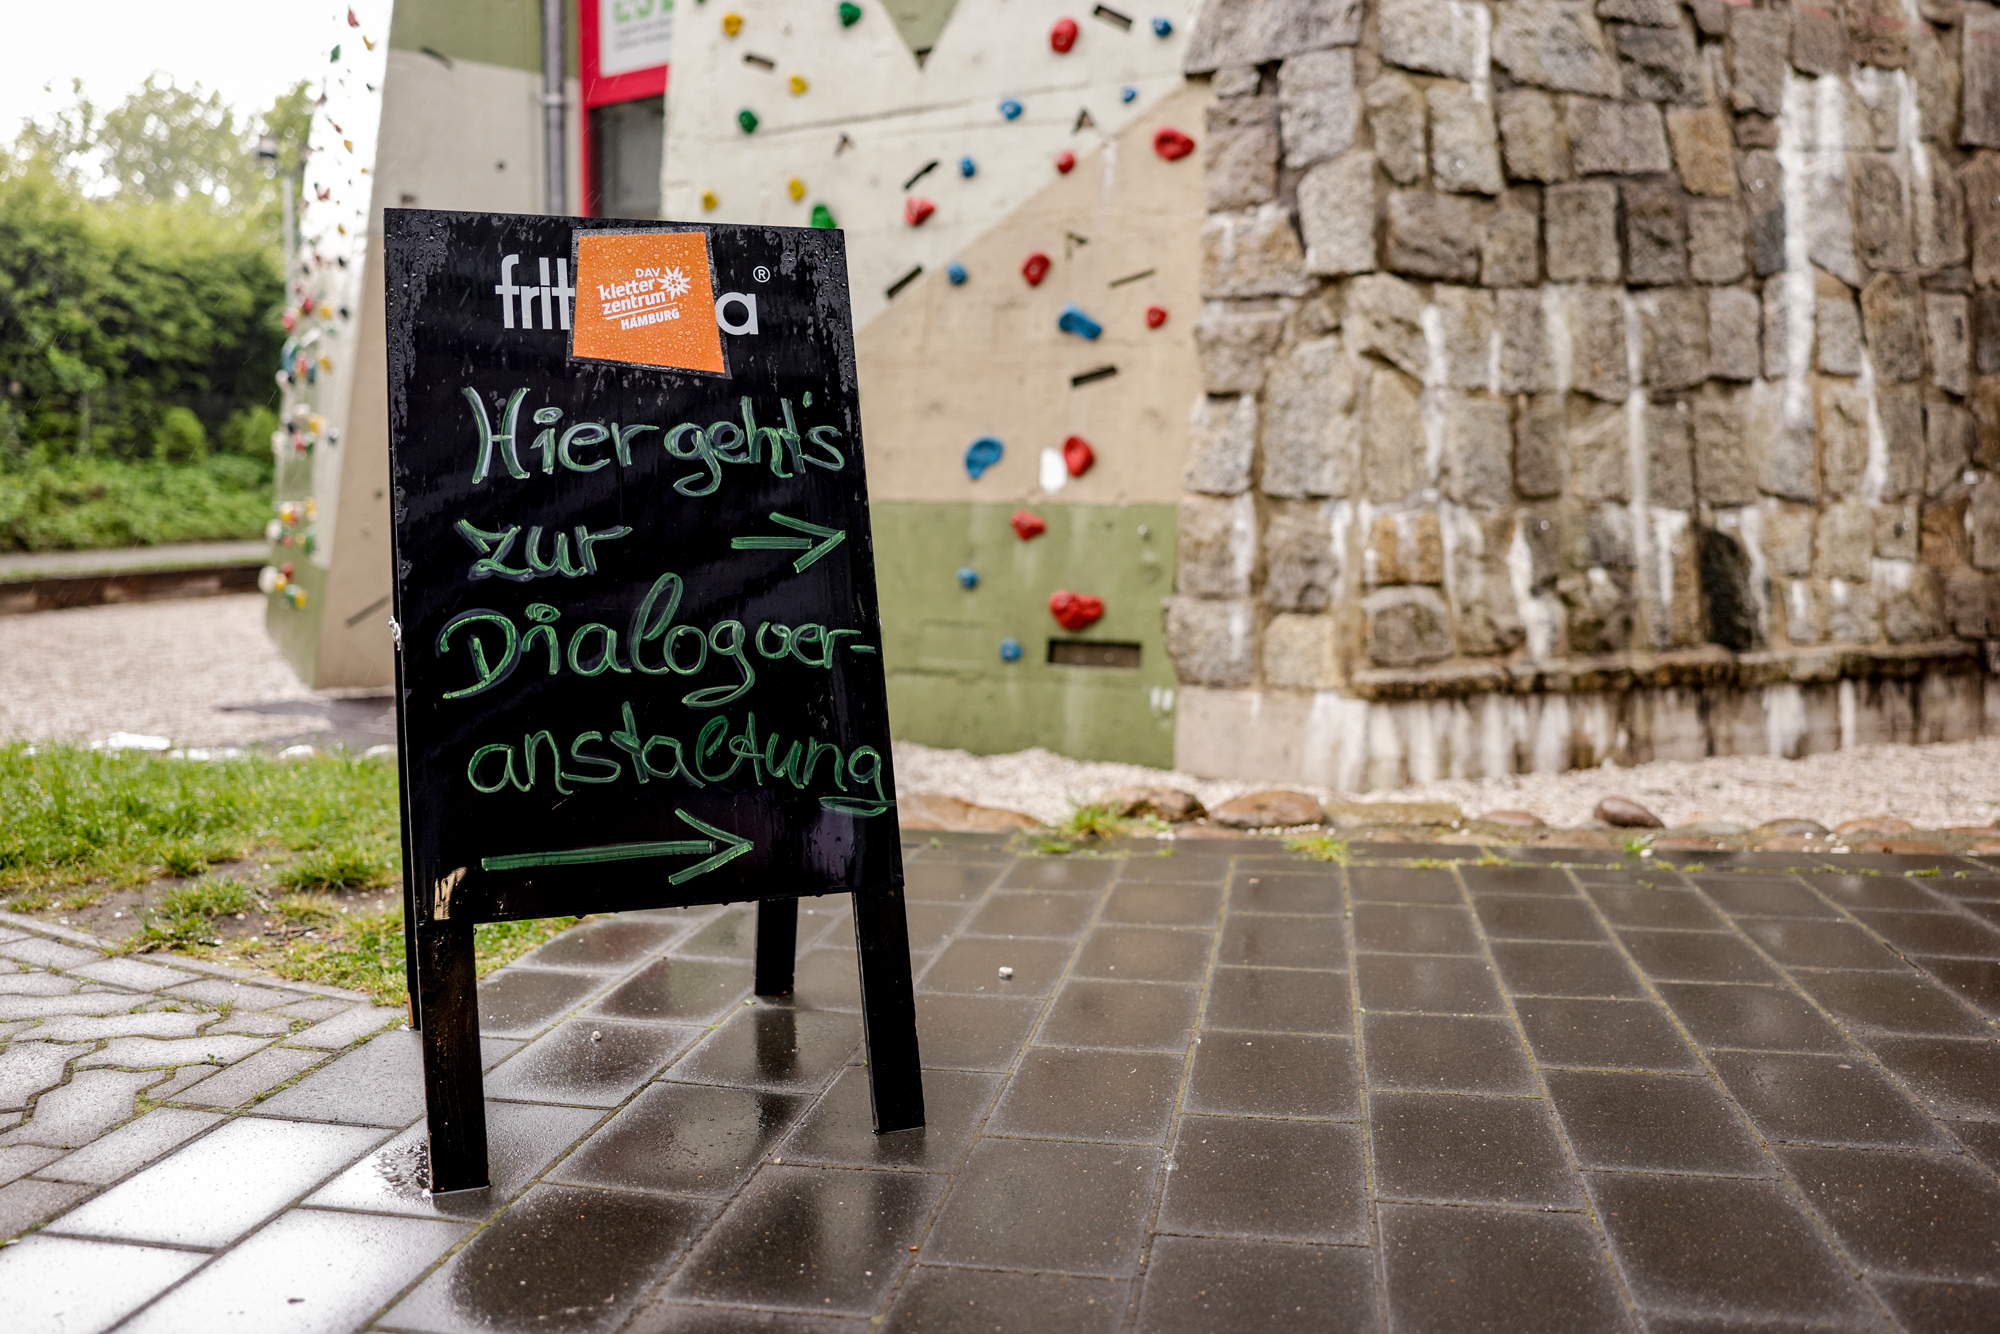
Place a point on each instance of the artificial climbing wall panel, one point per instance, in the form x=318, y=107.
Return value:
x=459, y=102
x=951, y=363
x=870, y=114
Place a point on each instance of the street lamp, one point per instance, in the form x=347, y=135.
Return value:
x=267, y=152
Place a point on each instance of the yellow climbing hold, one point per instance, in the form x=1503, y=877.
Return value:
x=709, y=201
x=732, y=24
x=798, y=84
x=798, y=188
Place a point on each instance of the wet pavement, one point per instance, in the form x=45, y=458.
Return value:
x=1223, y=1089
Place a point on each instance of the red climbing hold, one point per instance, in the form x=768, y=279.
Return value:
x=916, y=209
x=1075, y=611
x=1077, y=455
x=1065, y=160
x=1063, y=35
x=1035, y=269
x=1027, y=526
x=1170, y=143
x=1155, y=316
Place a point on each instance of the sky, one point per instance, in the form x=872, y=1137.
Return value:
x=248, y=50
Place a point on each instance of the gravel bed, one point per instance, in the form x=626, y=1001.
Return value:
x=1933, y=787
x=151, y=668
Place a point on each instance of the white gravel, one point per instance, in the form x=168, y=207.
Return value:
x=152, y=668
x=1932, y=787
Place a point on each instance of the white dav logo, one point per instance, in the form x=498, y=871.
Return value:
x=676, y=283
x=554, y=297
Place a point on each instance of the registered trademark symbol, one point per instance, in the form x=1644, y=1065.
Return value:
x=761, y=274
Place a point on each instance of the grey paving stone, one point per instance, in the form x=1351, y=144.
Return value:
x=26, y=1202
x=133, y=974
x=17, y=1160
x=315, y=1009
x=64, y=1283
x=145, y=1024
x=562, y=1257
x=348, y=1027
x=36, y=982
x=936, y=1297
x=1048, y=1205
x=27, y=1068
x=379, y=1083
x=254, y=1023
x=91, y=1103
x=48, y=953
x=163, y=1053
x=132, y=1146
x=236, y=1085
x=40, y=1007
x=218, y=991
x=1215, y=1283
x=307, y=1270
x=223, y=1185
x=521, y=1140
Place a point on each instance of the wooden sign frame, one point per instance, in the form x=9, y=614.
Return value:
x=638, y=647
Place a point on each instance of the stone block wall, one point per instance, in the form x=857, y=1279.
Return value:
x=1550, y=338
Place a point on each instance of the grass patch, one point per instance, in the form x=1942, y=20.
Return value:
x=75, y=820
x=76, y=824
x=349, y=867
x=1319, y=847
x=185, y=917
x=364, y=952
x=1091, y=820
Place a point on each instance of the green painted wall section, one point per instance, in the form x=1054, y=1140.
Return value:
x=941, y=643
x=494, y=32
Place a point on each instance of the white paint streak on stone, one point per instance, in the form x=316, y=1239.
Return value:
x=1555, y=330
x=1539, y=614
x=1436, y=375
x=1784, y=719
x=1795, y=121
x=1847, y=711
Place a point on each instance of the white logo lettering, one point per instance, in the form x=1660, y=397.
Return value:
x=747, y=300
x=555, y=297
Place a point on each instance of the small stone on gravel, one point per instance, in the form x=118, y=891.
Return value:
x=1163, y=803
x=1625, y=813
x=1271, y=808
x=1876, y=824
x=1524, y=819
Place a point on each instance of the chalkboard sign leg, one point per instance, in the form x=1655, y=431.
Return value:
x=454, y=1091
x=888, y=1010
x=777, y=945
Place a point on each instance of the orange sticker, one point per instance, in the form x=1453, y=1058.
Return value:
x=646, y=298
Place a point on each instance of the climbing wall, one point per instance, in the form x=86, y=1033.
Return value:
x=1021, y=203
x=1590, y=382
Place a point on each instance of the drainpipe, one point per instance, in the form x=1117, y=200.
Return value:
x=553, y=104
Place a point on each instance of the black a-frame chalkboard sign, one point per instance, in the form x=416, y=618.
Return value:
x=639, y=655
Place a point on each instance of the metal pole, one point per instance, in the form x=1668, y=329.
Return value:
x=553, y=104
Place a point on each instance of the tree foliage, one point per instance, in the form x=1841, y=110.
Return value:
x=140, y=282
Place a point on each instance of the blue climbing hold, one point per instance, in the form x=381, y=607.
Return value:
x=968, y=577
x=1127, y=93
x=982, y=454
x=956, y=272
x=966, y=166
x=1010, y=108
x=1162, y=28
x=1010, y=650
x=1073, y=320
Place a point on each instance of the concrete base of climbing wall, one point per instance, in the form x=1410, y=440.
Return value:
x=1103, y=692
x=1413, y=727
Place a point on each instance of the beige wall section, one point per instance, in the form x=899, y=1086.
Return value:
x=945, y=365
x=354, y=644
x=445, y=132
x=872, y=116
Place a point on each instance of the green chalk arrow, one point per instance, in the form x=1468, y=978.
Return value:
x=735, y=847
x=829, y=538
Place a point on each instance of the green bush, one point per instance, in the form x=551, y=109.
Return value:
x=79, y=504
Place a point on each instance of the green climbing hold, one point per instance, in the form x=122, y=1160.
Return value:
x=748, y=120
x=823, y=216
x=850, y=13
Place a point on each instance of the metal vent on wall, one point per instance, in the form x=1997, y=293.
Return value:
x=1094, y=653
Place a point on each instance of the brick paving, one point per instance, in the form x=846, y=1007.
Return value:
x=1225, y=1089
